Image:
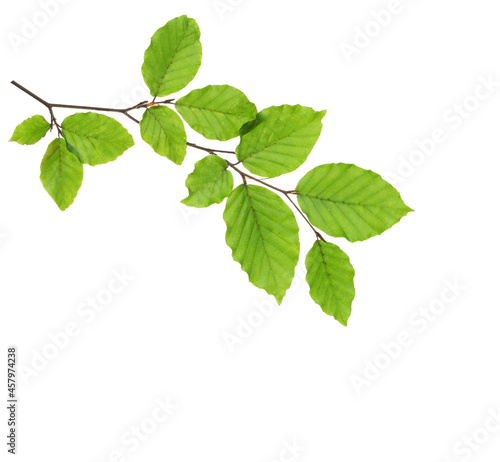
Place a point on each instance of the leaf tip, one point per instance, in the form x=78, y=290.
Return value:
x=62, y=208
x=343, y=321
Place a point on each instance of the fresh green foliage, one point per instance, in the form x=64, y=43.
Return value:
x=279, y=140
x=61, y=173
x=341, y=200
x=164, y=131
x=347, y=201
x=330, y=276
x=173, y=58
x=217, y=111
x=31, y=130
x=210, y=183
x=264, y=236
x=95, y=138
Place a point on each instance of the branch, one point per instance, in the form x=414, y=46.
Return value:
x=144, y=105
x=50, y=106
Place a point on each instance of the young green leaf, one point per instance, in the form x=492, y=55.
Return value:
x=61, y=173
x=330, y=276
x=344, y=200
x=164, y=131
x=95, y=138
x=173, y=58
x=210, y=183
x=279, y=140
x=217, y=111
x=264, y=237
x=31, y=130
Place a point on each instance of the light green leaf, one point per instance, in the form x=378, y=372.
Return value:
x=279, y=140
x=173, y=58
x=95, y=138
x=264, y=237
x=344, y=200
x=61, y=173
x=164, y=131
x=217, y=111
x=330, y=276
x=31, y=130
x=210, y=183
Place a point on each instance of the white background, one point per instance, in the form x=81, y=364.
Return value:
x=163, y=336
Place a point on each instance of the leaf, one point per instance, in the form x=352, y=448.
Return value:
x=264, y=237
x=31, y=130
x=279, y=140
x=210, y=183
x=344, y=200
x=61, y=173
x=216, y=111
x=95, y=138
x=173, y=58
x=164, y=131
x=330, y=276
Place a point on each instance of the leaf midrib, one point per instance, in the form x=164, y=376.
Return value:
x=333, y=201
x=260, y=232
x=172, y=59
x=211, y=110
x=92, y=137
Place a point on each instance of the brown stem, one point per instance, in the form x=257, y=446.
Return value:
x=50, y=106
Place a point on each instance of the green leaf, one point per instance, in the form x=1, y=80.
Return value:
x=173, y=58
x=217, y=111
x=279, y=140
x=31, y=130
x=95, y=138
x=164, y=131
x=264, y=237
x=61, y=173
x=344, y=200
x=330, y=276
x=210, y=183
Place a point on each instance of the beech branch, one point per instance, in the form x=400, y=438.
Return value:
x=144, y=105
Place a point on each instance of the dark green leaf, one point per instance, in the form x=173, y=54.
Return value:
x=210, y=183
x=344, y=200
x=173, y=58
x=217, y=111
x=31, y=130
x=95, y=138
x=330, y=276
x=61, y=173
x=264, y=237
x=164, y=131
x=279, y=140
